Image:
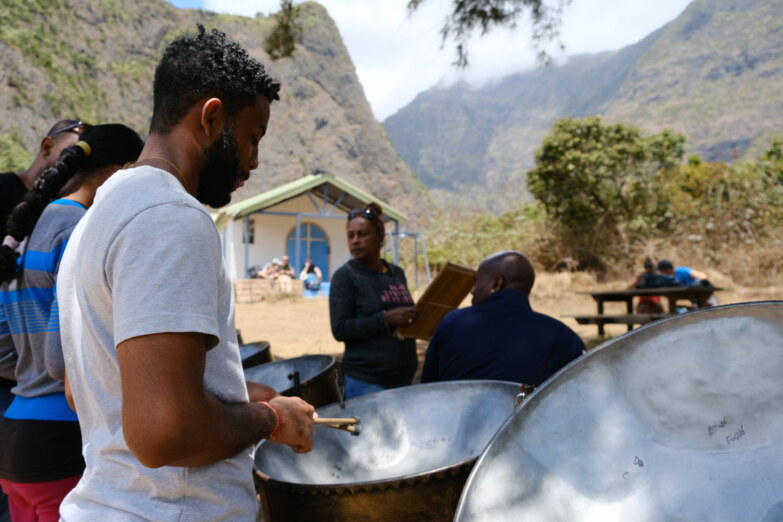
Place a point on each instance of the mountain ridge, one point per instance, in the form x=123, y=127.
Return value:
x=685, y=76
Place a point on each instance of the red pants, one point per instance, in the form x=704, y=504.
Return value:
x=37, y=501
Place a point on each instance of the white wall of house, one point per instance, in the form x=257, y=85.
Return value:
x=271, y=234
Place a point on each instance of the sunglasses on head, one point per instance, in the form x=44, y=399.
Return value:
x=367, y=213
x=77, y=127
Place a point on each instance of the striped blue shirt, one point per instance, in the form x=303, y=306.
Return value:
x=29, y=323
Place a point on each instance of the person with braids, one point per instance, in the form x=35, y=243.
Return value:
x=368, y=300
x=500, y=337
x=14, y=185
x=147, y=308
x=40, y=442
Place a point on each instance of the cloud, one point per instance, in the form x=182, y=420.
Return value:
x=398, y=56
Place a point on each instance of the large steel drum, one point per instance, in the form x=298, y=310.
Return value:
x=416, y=448
x=678, y=420
x=311, y=377
x=253, y=354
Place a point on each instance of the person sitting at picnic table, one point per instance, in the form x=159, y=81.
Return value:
x=648, y=304
x=311, y=275
x=500, y=337
x=686, y=276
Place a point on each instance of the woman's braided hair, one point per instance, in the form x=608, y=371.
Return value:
x=111, y=144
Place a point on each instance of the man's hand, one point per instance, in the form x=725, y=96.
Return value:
x=296, y=423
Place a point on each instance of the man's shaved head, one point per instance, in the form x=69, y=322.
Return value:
x=503, y=270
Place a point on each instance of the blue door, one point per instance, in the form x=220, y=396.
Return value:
x=314, y=243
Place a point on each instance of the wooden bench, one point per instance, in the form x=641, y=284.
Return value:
x=628, y=319
x=255, y=290
x=696, y=295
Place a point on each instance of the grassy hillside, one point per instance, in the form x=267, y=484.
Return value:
x=94, y=60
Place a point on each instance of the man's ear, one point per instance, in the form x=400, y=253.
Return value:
x=213, y=118
x=497, y=283
x=47, y=146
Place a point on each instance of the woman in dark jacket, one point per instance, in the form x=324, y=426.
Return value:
x=368, y=300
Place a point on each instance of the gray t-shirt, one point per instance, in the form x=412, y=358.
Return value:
x=146, y=259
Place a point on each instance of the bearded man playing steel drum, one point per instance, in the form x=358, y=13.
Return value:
x=146, y=308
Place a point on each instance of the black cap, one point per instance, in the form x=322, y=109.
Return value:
x=663, y=264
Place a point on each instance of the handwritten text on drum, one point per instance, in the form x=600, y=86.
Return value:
x=736, y=437
x=721, y=424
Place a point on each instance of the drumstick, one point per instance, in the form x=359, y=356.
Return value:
x=350, y=424
x=336, y=421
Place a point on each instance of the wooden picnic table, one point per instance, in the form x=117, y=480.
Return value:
x=697, y=295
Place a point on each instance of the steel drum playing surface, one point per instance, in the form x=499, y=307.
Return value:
x=678, y=420
x=404, y=431
x=410, y=462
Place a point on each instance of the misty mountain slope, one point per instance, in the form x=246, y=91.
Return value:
x=713, y=74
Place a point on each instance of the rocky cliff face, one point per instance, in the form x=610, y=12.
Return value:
x=714, y=75
x=95, y=61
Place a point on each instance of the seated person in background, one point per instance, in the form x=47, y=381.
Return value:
x=311, y=275
x=686, y=276
x=648, y=304
x=500, y=337
x=285, y=275
x=285, y=268
x=270, y=270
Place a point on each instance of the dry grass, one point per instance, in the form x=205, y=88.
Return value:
x=301, y=326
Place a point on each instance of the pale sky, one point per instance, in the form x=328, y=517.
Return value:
x=398, y=56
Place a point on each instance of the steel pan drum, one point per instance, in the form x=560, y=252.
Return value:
x=678, y=420
x=311, y=377
x=253, y=354
x=415, y=451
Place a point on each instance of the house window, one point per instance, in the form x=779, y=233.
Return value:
x=250, y=235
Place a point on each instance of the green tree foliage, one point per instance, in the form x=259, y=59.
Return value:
x=466, y=17
x=723, y=204
x=281, y=42
x=603, y=182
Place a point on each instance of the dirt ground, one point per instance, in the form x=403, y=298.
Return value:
x=300, y=326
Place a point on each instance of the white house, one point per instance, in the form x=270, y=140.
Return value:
x=303, y=218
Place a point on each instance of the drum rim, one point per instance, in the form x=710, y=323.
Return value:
x=351, y=488
x=331, y=358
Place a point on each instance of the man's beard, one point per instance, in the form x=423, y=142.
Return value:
x=218, y=175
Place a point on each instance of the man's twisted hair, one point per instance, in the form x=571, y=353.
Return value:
x=196, y=66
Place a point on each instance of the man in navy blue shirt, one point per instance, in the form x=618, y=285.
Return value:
x=500, y=337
